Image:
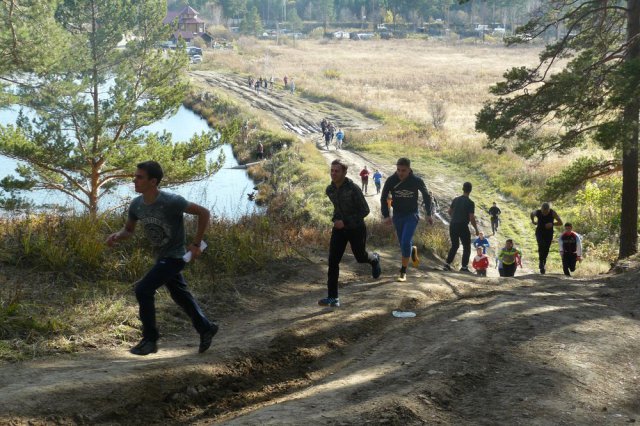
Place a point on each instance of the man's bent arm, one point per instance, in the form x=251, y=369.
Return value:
x=203, y=220
x=472, y=219
x=123, y=234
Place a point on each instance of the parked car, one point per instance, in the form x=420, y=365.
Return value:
x=195, y=59
x=192, y=51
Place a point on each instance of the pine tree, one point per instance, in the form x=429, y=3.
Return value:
x=595, y=97
x=92, y=101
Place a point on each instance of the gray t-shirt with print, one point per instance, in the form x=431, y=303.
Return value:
x=163, y=223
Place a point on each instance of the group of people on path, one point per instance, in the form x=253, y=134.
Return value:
x=162, y=216
x=508, y=258
x=261, y=83
x=329, y=132
x=404, y=189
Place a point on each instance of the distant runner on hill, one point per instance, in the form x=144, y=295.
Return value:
x=364, y=177
x=494, y=212
x=339, y=138
x=545, y=218
x=405, y=188
x=349, y=210
x=377, y=180
x=162, y=215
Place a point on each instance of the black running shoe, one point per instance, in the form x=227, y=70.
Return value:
x=206, y=337
x=145, y=347
x=376, y=270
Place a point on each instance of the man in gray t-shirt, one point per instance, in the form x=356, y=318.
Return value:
x=162, y=216
x=163, y=223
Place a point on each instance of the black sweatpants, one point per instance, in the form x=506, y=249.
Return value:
x=507, y=270
x=569, y=263
x=459, y=233
x=544, y=239
x=357, y=237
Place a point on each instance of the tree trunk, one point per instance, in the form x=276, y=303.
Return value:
x=629, y=219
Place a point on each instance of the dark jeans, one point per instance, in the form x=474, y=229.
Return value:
x=507, y=270
x=569, y=263
x=544, y=239
x=357, y=237
x=459, y=233
x=365, y=184
x=167, y=272
x=494, y=224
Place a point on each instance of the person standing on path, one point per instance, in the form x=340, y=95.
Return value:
x=292, y=86
x=349, y=210
x=570, y=249
x=404, y=188
x=377, y=180
x=285, y=80
x=364, y=177
x=494, y=212
x=162, y=215
x=545, y=218
x=461, y=211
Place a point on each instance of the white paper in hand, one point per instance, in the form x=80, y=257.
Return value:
x=187, y=255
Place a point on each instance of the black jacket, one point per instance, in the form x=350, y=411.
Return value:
x=349, y=204
x=405, y=195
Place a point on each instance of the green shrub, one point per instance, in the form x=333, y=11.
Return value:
x=331, y=74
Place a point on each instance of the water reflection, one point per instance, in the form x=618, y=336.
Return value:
x=225, y=193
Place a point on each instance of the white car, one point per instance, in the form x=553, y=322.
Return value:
x=195, y=59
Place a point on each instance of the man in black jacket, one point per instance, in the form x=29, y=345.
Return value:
x=404, y=188
x=462, y=211
x=349, y=210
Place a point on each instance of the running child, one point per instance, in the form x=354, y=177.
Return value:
x=509, y=258
x=480, y=262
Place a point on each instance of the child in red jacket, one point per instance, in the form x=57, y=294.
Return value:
x=480, y=262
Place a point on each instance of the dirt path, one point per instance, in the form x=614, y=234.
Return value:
x=530, y=350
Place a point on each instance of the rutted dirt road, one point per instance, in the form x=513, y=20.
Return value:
x=541, y=350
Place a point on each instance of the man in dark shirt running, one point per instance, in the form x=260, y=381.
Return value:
x=494, y=212
x=349, y=210
x=162, y=216
x=404, y=188
x=545, y=218
x=461, y=211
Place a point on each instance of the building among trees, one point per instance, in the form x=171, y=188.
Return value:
x=188, y=26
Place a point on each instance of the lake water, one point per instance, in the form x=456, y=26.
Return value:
x=225, y=193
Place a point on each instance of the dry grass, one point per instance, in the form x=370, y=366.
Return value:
x=400, y=77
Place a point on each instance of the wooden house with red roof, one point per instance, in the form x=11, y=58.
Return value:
x=187, y=25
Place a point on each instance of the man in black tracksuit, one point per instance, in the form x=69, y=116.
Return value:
x=350, y=209
x=545, y=218
x=462, y=211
